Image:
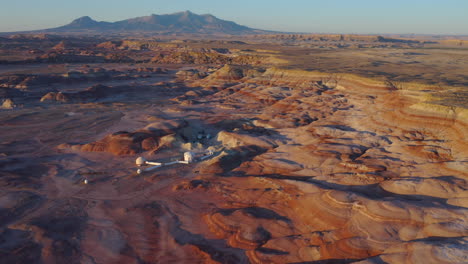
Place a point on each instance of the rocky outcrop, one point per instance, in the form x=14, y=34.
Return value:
x=231, y=72
x=54, y=57
x=123, y=143
x=55, y=97
x=92, y=93
x=110, y=45
x=62, y=45
x=23, y=81
x=197, y=57
x=8, y=104
x=191, y=74
x=150, y=138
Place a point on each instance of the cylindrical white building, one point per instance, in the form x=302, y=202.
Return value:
x=188, y=157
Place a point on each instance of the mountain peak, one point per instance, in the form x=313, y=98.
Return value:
x=83, y=22
x=84, y=19
x=181, y=22
x=186, y=13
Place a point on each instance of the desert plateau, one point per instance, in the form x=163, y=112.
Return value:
x=307, y=148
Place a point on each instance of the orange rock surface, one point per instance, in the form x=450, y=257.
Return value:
x=304, y=171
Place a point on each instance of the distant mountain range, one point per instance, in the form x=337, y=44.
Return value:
x=182, y=22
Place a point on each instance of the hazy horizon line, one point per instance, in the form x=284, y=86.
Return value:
x=275, y=31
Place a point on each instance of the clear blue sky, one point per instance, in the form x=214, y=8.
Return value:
x=322, y=16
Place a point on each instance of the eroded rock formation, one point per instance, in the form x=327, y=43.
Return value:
x=149, y=138
x=306, y=168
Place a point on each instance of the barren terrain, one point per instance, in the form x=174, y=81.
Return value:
x=323, y=152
